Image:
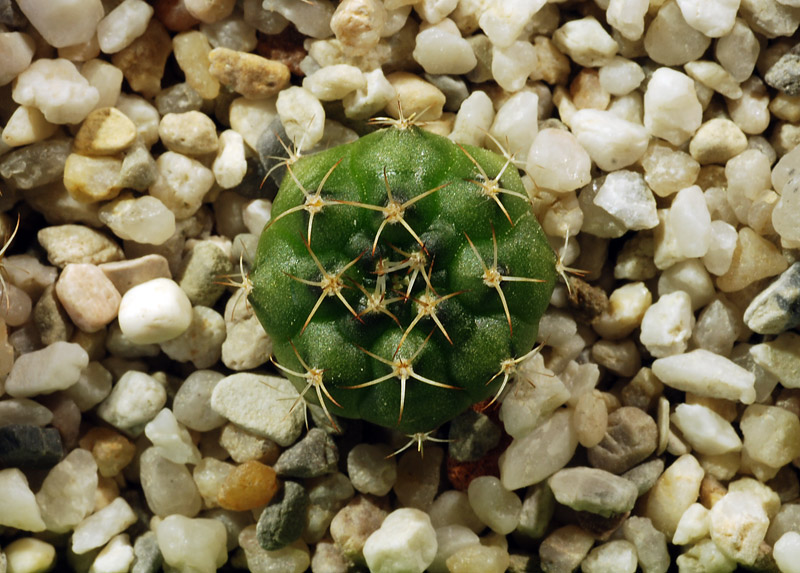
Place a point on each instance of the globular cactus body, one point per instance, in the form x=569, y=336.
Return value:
x=399, y=275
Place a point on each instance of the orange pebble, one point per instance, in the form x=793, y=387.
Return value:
x=248, y=485
x=111, y=450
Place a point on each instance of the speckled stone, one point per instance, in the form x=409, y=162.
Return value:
x=313, y=456
x=784, y=75
x=283, y=520
x=143, y=61
x=777, y=307
x=29, y=447
x=248, y=74
x=77, y=244
x=472, y=436
x=201, y=271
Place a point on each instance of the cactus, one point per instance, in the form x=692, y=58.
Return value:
x=401, y=277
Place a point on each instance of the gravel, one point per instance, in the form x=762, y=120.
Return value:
x=657, y=427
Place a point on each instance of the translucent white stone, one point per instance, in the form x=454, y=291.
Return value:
x=230, y=164
x=452, y=507
x=771, y=434
x=440, y=49
x=302, y=116
x=706, y=374
x=250, y=118
x=116, y=556
x=693, y=525
x=405, y=541
x=97, y=529
x=310, y=19
x=671, y=108
x=63, y=22
x=143, y=219
x=715, y=77
x=18, y=506
x=738, y=524
x=706, y=431
x=625, y=196
x=786, y=552
x=659, y=40
x=334, y=82
x=627, y=16
x=585, y=42
x=192, y=544
x=170, y=439
x=689, y=276
x=556, y=161
x=181, y=184
x=720, y=250
x=503, y=22
x=738, y=51
x=67, y=494
x=674, y=491
x=714, y=18
x=667, y=325
x=620, y=76
x=511, y=66
x=27, y=125
x=55, y=367
x=123, y=25
x=449, y=540
x=690, y=222
x=364, y=103
x=516, y=124
x=17, y=52
x=618, y=555
x=371, y=469
x=57, y=89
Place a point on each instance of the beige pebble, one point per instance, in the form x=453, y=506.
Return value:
x=587, y=92
x=143, y=61
x=754, y=258
x=209, y=11
x=92, y=179
x=131, y=272
x=591, y=419
x=88, y=296
x=77, y=244
x=358, y=24
x=190, y=133
x=26, y=125
x=248, y=74
x=552, y=66
x=716, y=141
x=191, y=51
x=105, y=131
x=414, y=95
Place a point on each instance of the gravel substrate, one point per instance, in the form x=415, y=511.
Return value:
x=142, y=424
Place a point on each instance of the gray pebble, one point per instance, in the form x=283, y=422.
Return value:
x=178, y=99
x=29, y=447
x=313, y=456
x=147, y=555
x=784, y=75
x=10, y=16
x=472, y=435
x=644, y=475
x=283, y=520
x=776, y=308
x=593, y=490
x=630, y=438
x=271, y=153
x=138, y=169
x=454, y=89
x=23, y=411
x=651, y=544
x=537, y=510
x=36, y=164
x=50, y=318
x=201, y=271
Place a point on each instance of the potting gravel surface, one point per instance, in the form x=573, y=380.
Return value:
x=142, y=424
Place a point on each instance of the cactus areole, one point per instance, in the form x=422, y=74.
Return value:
x=401, y=277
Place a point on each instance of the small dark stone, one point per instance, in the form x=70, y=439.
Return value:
x=283, y=520
x=644, y=475
x=36, y=164
x=30, y=447
x=255, y=184
x=454, y=89
x=10, y=15
x=50, y=317
x=472, y=436
x=147, y=555
x=630, y=438
x=587, y=300
x=179, y=98
x=313, y=456
x=784, y=75
x=272, y=151
x=521, y=563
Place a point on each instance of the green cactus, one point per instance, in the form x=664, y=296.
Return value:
x=401, y=277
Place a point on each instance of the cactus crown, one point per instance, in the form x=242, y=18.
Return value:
x=400, y=276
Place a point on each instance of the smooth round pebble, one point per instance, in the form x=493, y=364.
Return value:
x=155, y=311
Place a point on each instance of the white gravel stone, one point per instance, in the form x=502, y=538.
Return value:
x=123, y=25
x=586, y=42
x=667, y=325
x=714, y=76
x=260, y=404
x=626, y=196
x=612, y=142
x=618, y=556
x=310, y=19
x=771, y=434
x=192, y=402
x=659, y=40
x=63, y=22
x=690, y=222
x=496, y=506
x=18, y=506
x=55, y=367
x=57, y=89
x=706, y=374
x=135, y=400
x=714, y=18
x=106, y=79
x=372, y=469
x=405, y=541
x=142, y=113
x=689, y=276
x=675, y=490
x=503, y=22
x=516, y=123
x=144, y=219
x=671, y=108
x=449, y=540
x=738, y=524
x=230, y=164
x=693, y=525
x=92, y=387
x=366, y=102
x=473, y=120
x=171, y=440
x=738, y=51
x=627, y=16
x=181, y=184
x=198, y=545
x=558, y=162
x=155, y=311
x=302, y=116
x=452, y=507
x=27, y=125
x=191, y=132
x=334, y=82
x=250, y=118
x=620, y=76
x=67, y=495
x=16, y=53
x=431, y=11
x=440, y=49
x=116, y=556
x=539, y=453
x=721, y=247
x=786, y=552
x=705, y=430
x=511, y=66
x=201, y=343
x=97, y=529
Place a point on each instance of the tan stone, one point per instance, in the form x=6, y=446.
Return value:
x=247, y=486
x=414, y=96
x=552, y=66
x=92, y=179
x=143, y=61
x=753, y=259
x=105, y=131
x=111, y=450
x=248, y=74
x=586, y=91
x=88, y=296
x=191, y=51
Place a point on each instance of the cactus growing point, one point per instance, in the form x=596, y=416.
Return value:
x=401, y=277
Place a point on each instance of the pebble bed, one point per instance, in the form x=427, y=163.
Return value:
x=142, y=426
